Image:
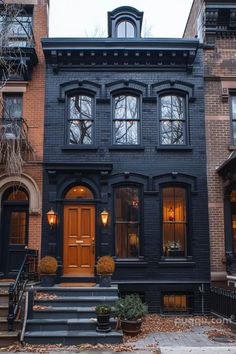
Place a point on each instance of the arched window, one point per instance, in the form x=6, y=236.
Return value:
x=126, y=120
x=80, y=119
x=233, y=216
x=79, y=192
x=127, y=221
x=172, y=120
x=174, y=221
x=125, y=29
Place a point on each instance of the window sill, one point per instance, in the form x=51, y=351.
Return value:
x=232, y=147
x=132, y=262
x=177, y=262
x=76, y=147
x=126, y=147
x=173, y=148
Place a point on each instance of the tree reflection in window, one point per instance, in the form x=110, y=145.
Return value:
x=127, y=221
x=126, y=120
x=81, y=120
x=173, y=120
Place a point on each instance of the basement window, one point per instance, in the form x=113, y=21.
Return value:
x=177, y=303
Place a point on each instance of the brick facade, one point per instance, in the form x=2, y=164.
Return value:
x=33, y=113
x=220, y=73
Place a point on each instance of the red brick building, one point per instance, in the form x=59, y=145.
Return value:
x=214, y=23
x=23, y=96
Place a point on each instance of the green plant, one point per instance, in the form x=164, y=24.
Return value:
x=103, y=309
x=130, y=308
x=105, y=265
x=48, y=265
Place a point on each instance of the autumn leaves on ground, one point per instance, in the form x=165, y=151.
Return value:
x=152, y=323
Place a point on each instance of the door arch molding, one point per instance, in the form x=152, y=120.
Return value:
x=27, y=182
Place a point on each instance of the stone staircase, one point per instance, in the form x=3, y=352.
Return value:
x=66, y=315
x=6, y=338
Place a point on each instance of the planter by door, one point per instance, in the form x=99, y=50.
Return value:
x=79, y=239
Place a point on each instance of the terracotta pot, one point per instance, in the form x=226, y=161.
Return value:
x=131, y=328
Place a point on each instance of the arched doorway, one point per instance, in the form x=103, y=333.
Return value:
x=14, y=229
x=79, y=232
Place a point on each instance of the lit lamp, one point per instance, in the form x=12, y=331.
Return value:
x=52, y=218
x=104, y=217
x=171, y=214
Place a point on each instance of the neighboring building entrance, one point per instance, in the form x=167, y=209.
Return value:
x=79, y=239
x=14, y=229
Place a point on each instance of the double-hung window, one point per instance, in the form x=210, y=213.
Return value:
x=173, y=120
x=174, y=221
x=233, y=118
x=12, y=114
x=126, y=120
x=80, y=119
x=127, y=221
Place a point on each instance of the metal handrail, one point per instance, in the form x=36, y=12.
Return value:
x=17, y=289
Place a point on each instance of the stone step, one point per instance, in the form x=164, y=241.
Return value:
x=4, y=324
x=79, y=291
x=81, y=301
x=72, y=337
x=85, y=324
x=64, y=312
x=4, y=299
x=3, y=310
x=8, y=338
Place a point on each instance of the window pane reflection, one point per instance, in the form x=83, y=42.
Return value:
x=18, y=228
x=81, y=120
x=127, y=219
x=172, y=120
x=126, y=121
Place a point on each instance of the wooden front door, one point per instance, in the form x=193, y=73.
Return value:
x=79, y=239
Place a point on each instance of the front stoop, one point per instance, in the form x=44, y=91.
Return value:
x=68, y=317
x=6, y=338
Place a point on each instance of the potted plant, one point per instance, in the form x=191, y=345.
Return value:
x=103, y=313
x=105, y=269
x=47, y=268
x=130, y=311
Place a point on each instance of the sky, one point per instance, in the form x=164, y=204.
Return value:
x=80, y=18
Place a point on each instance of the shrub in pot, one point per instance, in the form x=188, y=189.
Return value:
x=105, y=269
x=130, y=310
x=103, y=313
x=48, y=268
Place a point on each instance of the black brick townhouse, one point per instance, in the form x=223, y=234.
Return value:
x=124, y=136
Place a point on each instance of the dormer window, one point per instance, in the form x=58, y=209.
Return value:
x=125, y=22
x=125, y=29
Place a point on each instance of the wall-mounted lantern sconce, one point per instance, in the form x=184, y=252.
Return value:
x=104, y=217
x=52, y=218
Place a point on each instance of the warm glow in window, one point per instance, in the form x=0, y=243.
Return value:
x=79, y=192
x=174, y=222
x=17, y=195
x=175, y=303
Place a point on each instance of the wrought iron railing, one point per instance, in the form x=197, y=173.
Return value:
x=223, y=302
x=27, y=271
